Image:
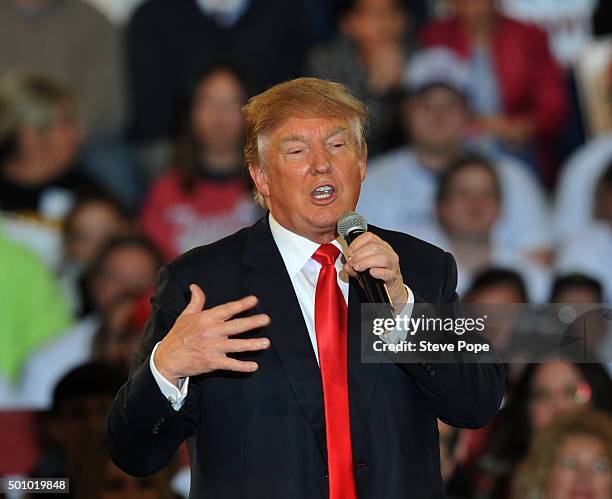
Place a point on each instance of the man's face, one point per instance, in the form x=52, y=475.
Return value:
x=128, y=269
x=471, y=206
x=435, y=119
x=311, y=174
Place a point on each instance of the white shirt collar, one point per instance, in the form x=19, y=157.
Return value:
x=296, y=250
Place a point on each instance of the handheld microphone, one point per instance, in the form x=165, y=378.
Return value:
x=350, y=226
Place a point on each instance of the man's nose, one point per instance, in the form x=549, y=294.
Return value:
x=320, y=161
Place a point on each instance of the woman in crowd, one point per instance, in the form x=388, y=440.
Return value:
x=542, y=393
x=39, y=139
x=572, y=458
x=94, y=220
x=206, y=195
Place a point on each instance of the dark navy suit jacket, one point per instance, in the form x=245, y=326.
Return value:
x=262, y=435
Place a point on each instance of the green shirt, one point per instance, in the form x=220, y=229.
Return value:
x=33, y=308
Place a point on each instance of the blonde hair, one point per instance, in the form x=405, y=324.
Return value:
x=302, y=97
x=28, y=99
x=532, y=476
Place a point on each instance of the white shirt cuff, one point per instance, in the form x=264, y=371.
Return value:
x=394, y=336
x=176, y=396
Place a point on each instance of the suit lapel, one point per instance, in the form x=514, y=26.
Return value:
x=266, y=277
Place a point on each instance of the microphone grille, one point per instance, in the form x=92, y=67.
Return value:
x=350, y=221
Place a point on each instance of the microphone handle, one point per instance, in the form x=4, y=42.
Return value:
x=375, y=289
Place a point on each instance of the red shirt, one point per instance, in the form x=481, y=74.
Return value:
x=176, y=220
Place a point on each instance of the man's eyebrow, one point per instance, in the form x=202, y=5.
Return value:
x=301, y=138
x=293, y=138
x=335, y=131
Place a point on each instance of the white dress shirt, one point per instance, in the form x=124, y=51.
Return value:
x=296, y=252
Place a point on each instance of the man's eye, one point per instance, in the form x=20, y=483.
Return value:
x=295, y=151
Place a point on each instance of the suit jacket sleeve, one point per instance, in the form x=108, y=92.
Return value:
x=463, y=393
x=144, y=431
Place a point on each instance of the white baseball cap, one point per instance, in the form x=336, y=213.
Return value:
x=433, y=67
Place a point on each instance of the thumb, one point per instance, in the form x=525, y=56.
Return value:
x=196, y=304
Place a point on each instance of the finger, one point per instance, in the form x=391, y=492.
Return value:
x=242, y=366
x=228, y=310
x=241, y=325
x=349, y=270
x=250, y=345
x=196, y=303
x=385, y=275
x=362, y=240
x=372, y=248
x=371, y=261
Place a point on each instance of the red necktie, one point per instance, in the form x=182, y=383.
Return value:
x=331, y=331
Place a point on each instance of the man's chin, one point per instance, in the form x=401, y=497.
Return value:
x=327, y=220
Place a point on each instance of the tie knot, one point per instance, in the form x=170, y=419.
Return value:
x=326, y=254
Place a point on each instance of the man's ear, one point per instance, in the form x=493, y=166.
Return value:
x=361, y=164
x=260, y=178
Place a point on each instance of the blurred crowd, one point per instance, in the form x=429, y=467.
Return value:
x=121, y=148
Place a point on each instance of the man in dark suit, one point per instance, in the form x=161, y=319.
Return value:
x=287, y=410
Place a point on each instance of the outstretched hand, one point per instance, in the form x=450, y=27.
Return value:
x=200, y=340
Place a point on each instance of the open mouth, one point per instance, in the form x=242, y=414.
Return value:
x=323, y=192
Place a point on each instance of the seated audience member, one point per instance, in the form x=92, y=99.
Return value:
x=497, y=285
x=572, y=458
x=576, y=288
x=33, y=311
x=590, y=251
x=125, y=266
x=517, y=87
x=502, y=286
x=94, y=220
x=369, y=57
x=206, y=195
x=39, y=138
x=542, y=393
x=97, y=477
x=591, y=324
x=436, y=120
x=55, y=37
x=577, y=187
x=268, y=38
x=80, y=403
x=468, y=205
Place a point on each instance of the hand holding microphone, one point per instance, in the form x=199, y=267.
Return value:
x=372, y=261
